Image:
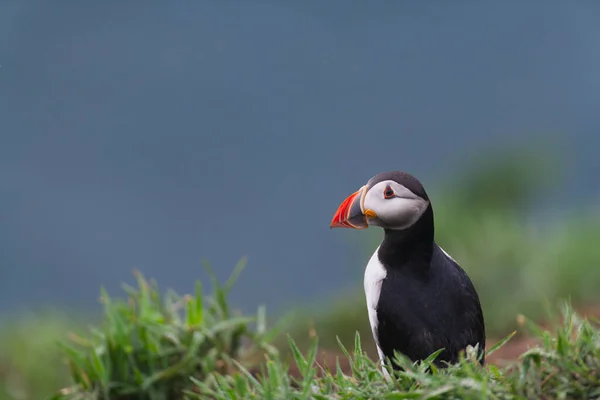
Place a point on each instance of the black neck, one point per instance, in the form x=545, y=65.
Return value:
x=414, y=244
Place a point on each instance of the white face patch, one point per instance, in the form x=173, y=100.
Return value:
x=395, y=205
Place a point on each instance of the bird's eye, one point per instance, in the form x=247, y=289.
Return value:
x=388, y=193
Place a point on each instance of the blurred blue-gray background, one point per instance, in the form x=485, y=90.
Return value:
x=156, y=135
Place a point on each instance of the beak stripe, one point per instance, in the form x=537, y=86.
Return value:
x=350, y=213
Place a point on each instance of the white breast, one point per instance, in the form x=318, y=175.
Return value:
x=375, y=273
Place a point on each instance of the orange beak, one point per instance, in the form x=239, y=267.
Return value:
x=350, y=213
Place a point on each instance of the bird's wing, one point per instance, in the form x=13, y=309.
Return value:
x=472, y=305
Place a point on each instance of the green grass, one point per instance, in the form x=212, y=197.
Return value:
x=31, y=364
x=565, y=366
x=154, y=345
x=150, y=343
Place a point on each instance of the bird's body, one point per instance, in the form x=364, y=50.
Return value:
x=419, y=299
x=419, y=307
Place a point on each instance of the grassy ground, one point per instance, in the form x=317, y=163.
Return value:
x=565, y=365
x=31, y=365
x=153, y=345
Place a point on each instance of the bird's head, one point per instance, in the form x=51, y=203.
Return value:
x=391, y=200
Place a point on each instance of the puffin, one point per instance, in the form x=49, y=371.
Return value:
x=419, y=299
